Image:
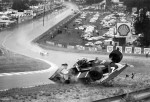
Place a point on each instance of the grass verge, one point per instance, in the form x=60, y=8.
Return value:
x=11, y=62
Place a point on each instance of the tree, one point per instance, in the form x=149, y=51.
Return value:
x=19, y=5
x=93, y=1
x=33, y=2
x=142, y=25
x=136, y=3
x=6, y=1
x=142, y=22
x=26, y=1
x=1, y=9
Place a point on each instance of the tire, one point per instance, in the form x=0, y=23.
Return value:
x=95, y=75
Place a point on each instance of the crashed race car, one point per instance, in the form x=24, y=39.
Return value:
x=88, y=71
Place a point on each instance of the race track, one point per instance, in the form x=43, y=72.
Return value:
x=19, y=40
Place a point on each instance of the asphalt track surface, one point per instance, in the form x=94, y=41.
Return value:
x=19, y=40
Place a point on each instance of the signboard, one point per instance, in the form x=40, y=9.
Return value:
x=120, y=48
x=128, y=50
x=50, y=43
x=70, y=47
x=109, y=49
x=137, y=50
x=146, y=50
x=59, y=45
x=123, y=29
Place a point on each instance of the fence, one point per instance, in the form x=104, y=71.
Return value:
x=126, y=50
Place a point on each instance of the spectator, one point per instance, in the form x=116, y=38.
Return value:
x=133, y=74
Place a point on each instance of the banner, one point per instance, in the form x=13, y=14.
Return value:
x=92, y=49
x=80, y=47
x=137, y=50
x=128, y=50
x=70, y=47
x=109, y=49
x=146, y=50
x=120, y=48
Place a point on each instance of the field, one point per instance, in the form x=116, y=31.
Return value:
x=11, y=62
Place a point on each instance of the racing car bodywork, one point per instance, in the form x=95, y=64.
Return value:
x=87, y=71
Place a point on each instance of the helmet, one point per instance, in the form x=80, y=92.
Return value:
x=116, y=56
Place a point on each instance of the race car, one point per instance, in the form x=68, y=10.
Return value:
x=44, y=53
x=88, y=71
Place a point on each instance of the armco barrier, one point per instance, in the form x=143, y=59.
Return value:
x=50, y=43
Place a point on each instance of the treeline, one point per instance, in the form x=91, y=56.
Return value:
x=89, y=2
x=137, y=3
x=93, y=1
x=21, y=5
x=142, y=21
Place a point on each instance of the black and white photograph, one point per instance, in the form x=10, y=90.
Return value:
x=74, y=50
